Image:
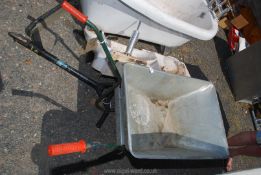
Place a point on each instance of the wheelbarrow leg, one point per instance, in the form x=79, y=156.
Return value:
x=102, y=119
x=107, y=109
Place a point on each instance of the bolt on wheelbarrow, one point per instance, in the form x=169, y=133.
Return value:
x=105, y=91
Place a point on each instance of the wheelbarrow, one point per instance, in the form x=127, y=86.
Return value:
x=163, y=116
x=159, y=115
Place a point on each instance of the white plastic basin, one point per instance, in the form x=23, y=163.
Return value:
x=165, y=22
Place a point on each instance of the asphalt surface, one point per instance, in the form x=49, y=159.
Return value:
x=41, y=104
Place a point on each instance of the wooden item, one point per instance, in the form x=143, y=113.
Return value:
x=239, y=22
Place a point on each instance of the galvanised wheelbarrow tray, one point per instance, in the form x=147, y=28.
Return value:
x=167, y=116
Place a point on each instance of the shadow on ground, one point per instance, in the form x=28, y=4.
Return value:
x=1, y=83
x=196, y=72
x=224, y=53
x=223, y=114
x=82, y=166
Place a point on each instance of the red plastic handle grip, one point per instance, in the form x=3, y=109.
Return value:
x=67, y=148
x=73, y=11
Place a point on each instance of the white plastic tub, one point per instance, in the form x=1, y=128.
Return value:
x=166, y=22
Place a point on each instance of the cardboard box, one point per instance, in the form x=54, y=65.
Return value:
x=239, y=22
x=252, y=32
x=224, y=23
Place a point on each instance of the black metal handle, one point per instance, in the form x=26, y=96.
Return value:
x=98, y=87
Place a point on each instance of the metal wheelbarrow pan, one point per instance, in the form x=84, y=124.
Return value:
x=166, y=116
